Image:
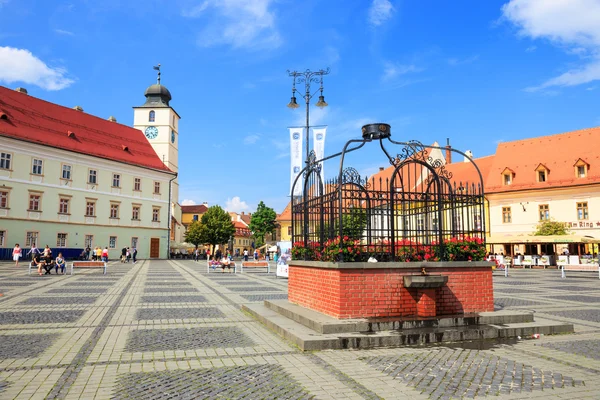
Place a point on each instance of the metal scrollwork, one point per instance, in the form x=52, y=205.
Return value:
x=412, y=149
x=351, y=175
x=313, y=165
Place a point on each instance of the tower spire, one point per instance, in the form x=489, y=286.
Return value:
x=157, y=68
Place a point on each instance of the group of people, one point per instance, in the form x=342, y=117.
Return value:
x=98, y=254
x=41, y=259
x=127, y=254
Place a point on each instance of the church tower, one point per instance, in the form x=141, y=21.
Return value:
x=160, y=123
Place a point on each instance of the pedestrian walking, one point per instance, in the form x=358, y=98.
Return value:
x=104, y=254
x=134, y=254
x=33, y=251
x=196, y=254
x=127, y=256
x=245, y=255
x=17, y=253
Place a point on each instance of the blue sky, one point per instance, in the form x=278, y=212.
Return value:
x=477, y=72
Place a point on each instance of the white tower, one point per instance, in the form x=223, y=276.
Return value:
x=159, y=122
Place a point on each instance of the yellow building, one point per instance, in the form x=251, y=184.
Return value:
x=285, y=223
x=193, y=213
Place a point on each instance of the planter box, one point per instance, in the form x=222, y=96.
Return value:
x=373, y=290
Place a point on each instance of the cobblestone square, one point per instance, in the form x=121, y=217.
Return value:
x=166, y=329
x=186, y=339
x=179, y=313
x=248, y=382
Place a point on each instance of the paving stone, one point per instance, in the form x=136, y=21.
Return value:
x=587, y=315
x=173, y=299
x=24, y=346
x=247, y=382
x=3, y=284
x=582, y=299
x=168, y=283
x=501, y=302
x=40, y=317
x=186, y=339
x=232, y=283
x=89, y=284
x=255, y=289
x=77, y=290
x=516, y=283
x=586, y=348
x=516, y=290
x=441, y=372
x=67, y=301
x=169, y=289
x=572, y=288
x=261, y=297
x=179, y=313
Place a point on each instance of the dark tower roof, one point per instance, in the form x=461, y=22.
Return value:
x=157, y=95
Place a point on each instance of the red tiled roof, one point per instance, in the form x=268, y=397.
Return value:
x=286, y=215
x=37, y=121
x=246, y=218
x=196, y=209
x=558, y=153
x=240, y=225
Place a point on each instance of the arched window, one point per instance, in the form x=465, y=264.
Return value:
x=151, y=116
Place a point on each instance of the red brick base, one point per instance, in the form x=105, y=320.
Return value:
x=366, y=292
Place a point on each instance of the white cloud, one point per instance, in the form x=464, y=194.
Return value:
x=246, y=24
x=571, y=24
x=188, y=202
x=531, y=49
x=19, y=65
x=380, y=11
x=236, y=205
x=392, y=70
x=63, y=32
x=454, y=62
x=251, y=139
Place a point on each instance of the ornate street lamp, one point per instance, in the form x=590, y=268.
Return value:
x=307, y=77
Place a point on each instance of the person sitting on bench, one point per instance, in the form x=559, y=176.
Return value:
x=60, y=262
x=45, y=263
x=225, y=263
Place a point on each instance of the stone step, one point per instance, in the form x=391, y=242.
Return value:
x=307, y=339
x=322, y=323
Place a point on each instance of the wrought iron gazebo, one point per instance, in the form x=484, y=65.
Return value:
x=410, y=211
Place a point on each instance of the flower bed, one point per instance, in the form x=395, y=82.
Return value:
x=346, y=249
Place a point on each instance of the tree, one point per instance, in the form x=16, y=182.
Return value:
x=354, y=223
x=551, y=227
x=262, y=222
x=216, y=227
x=195, y=233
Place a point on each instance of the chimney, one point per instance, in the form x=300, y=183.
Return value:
x=21, y=90
x=448, y=152
x=242, y=213
x=78, y=108
x=381, y=168
x=112, y=119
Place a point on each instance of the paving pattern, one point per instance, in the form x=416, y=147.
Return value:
x=167, y=329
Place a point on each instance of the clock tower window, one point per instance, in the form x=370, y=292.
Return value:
x=151, y=116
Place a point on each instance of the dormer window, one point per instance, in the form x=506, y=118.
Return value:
x=581, y=168
x=151, y=116
x=507, y=176
x=542, y=173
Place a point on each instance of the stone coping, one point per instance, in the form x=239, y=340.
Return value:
x=391, y=265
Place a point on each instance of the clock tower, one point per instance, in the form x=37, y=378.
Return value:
x=160, y=122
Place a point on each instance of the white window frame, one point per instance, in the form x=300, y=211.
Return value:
x=4, y=197
x=31, y=236
x=156, y=187
x=88, y=241
x=155, y=214
x=5, y=160
x=37, y=166
x=585, y=212
x=39, y=202
x=87, y=204
x=61, y=239
x=92, y=173
x=2, y=237
x=133, y=212
x=116, y=207
x=137, y=184
x=63, y=201
x=66, y=172
x=116, y=180
x=112, y=242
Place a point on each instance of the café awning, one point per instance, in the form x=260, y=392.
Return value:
x=524, y=239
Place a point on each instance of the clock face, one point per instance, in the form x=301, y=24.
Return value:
x=172, y=136
x=151, y=132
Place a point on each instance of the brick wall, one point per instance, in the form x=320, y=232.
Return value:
x=380, y=292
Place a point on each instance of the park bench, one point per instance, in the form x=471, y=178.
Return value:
x=579, y=268
x=87, y=264
x=219, y=265
x=255, y=264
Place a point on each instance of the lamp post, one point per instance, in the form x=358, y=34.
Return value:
x=307, y=77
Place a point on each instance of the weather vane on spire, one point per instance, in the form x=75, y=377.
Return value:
x=157, y=68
